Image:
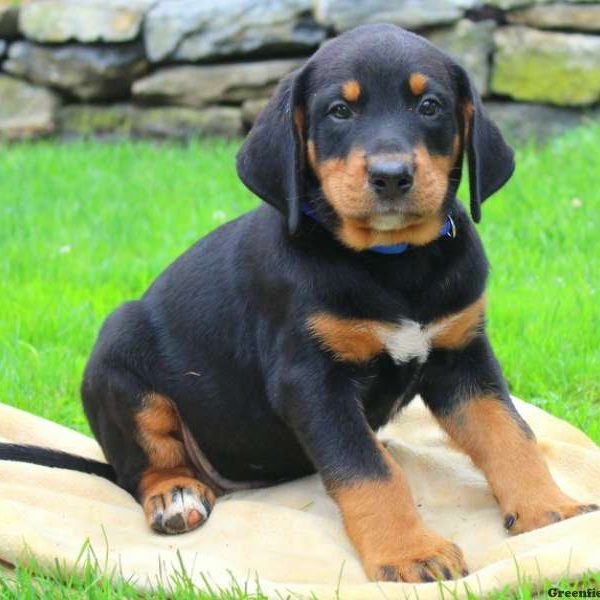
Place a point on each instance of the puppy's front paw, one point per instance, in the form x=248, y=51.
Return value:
x=533, y=514
x=421, y=557
x=178, y=506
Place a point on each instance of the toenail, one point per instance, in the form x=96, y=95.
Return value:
x=207, y=506
x=425, y=576
x=509, y=521
x=388, y=573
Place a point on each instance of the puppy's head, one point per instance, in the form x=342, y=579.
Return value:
x=373, y=130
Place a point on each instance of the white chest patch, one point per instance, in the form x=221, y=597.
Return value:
x=409, y=339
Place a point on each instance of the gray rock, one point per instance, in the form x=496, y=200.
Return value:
x=26, y=111
x=198, y=86
x=83, y=20
x=412, y=14
x=85, y=72
x=251, y=109
x=127, y=120
x=522, y=123
x=510, y=4
x=471, y=44
x=558, y=16
x=9, y=19
x=542, y=66
x=194, y=30
x=173, y=122
x=86, y=120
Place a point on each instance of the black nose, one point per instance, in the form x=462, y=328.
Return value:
x=390, y=177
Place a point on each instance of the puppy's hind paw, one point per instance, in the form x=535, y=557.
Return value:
x=178, y=506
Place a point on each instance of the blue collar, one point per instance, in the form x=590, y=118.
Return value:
x=448, y=230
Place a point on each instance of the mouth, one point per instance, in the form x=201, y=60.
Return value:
x=388, y=227
x=394, y=220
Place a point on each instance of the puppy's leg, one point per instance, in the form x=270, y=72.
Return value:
x=174, y=501
x=140, y=435
x=465, y=390
x=385, y=527
x=319, y=402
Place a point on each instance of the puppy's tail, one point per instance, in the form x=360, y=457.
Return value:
x=56, y=459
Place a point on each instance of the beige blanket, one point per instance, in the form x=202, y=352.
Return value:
x=291, y=536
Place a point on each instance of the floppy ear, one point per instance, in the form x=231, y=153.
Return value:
x=489, y=157
x=271, y=161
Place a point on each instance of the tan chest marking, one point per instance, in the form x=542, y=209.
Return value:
x=360, y=340
x=459, y=329
x=350, y=340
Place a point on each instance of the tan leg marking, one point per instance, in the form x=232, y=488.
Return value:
x=459, y=329
x=417, y=83
x=512, y=463
x=351, y=90
x=158, y=430
x=353, y=340
x=174, y=501
x=387, y=531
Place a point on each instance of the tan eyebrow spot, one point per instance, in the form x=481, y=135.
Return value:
x=417, y=83
x=351, y=90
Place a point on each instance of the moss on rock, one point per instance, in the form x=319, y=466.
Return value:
x=543, y=66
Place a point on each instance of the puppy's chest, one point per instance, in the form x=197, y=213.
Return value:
x=407, y=339
x=360, y=340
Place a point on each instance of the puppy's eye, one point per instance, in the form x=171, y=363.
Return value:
x=339, y=110
x=430, y=107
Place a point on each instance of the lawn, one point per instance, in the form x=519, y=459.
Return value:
x=85, y=226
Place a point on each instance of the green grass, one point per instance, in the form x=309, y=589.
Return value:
x=86, y=226
x=83, y=228
x=541, y=235
x=59, y=583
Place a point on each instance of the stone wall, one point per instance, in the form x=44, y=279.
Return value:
x=180, y=68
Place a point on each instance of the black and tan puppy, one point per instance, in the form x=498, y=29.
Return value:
x=278, y=344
